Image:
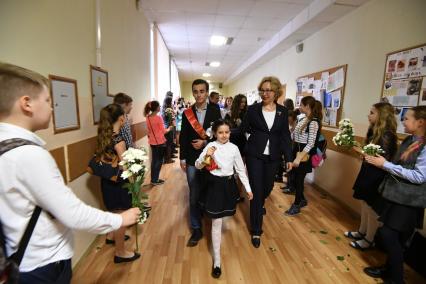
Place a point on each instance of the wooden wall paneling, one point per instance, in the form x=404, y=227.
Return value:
x=79, y=154
x=59, y=155
x=139, y=130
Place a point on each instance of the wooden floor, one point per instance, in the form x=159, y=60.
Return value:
x=309, y=248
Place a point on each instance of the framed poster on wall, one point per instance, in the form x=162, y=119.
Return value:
x=99, y=91
x=64, y=96
x=404, y=80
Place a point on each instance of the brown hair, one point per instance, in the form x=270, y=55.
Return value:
x=109, y=115
x=419, y=113
x=16, y=82
x=316, y=111
x=275, y=86
x=386, y=121
x=122, y=98
x=150, y=107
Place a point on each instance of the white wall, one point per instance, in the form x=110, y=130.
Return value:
x=361, y=39
x=58, y=37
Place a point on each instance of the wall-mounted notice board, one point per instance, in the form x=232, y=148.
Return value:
x=328, y=87
x=404, y=84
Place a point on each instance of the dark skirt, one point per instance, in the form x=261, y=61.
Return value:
x=115, y=196
x=304, y=167
x=399, y=217
x=367, y=184
x=220, y=197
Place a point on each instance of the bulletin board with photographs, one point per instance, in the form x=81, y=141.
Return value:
x=328, y=87
x=404, y=84
x=99, y=91
x=64, y=96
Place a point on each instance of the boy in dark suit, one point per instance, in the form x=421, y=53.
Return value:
x=195, y=121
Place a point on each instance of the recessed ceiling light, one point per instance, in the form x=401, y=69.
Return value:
x=206, y=75
x=215, y=64
x=218, y=40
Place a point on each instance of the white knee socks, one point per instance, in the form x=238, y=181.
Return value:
x=216, y=239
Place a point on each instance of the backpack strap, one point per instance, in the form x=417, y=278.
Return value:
x=5, y=146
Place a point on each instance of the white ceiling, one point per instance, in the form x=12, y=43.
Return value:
x=261, y=30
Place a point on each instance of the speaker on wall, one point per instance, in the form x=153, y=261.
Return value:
x=299, y=47
x=220, y=85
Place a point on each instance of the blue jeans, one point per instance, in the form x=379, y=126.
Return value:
x=56, y=272
x=157, y=152
x=195, y=187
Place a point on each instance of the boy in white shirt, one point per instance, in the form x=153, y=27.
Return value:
x=30, y=178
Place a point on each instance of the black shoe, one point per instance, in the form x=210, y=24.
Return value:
x=175, y=151
x=195, y=237
x=263, y=211
x=171, y=161
x=255, y=241
x=112, y=242
x=240, y=199
x=303, y=203
x=288, y=190
x=118, y=259
x=375, y=271
x=216, y=272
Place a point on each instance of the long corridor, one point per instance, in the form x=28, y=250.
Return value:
x=308, y=248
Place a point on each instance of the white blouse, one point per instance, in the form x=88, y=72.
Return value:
x=269, y=118
x=227, y=157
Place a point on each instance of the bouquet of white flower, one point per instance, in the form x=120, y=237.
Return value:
x=134, y=171
x=169, y=115
x=372, y=150
x=345, y=137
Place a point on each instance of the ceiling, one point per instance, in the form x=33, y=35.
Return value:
x=261, y=30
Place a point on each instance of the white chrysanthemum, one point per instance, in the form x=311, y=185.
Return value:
x=126, y=174
x=135, y=168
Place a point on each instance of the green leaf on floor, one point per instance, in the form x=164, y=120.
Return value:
x=347, y=268
x=324, y=232
x=338, y=238
x=340, y=258
x=323, y=242
x=272, y=249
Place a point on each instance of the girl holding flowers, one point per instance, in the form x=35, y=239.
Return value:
x=381, y=139
x=404, y=195
x=110, y=147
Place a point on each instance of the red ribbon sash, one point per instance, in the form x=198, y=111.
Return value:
x=189, y=113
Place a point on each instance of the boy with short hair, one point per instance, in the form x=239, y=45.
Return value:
x=126, y=102
x=30, y=178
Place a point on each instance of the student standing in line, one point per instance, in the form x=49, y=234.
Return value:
x=126, y=102
x=110, y=147
x=195, y=121
x=382, y=132
x=221, y=194
x=169, y=121
x=30, y=178
x=292, y=122
x=305, y=137
x=404, y=196
x=156, y=139
x=267, y=124
x=235, y=117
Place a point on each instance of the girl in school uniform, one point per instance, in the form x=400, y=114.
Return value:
x=404, y=195
x=305, y=136
x=221, y=193
x=111, y=146
x=382, y=132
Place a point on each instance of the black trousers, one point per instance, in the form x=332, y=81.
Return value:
x=299, y=184
x=261, y=174
x=56, y=272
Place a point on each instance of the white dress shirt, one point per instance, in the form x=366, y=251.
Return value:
x=227, y=157
x=30, y=177
x=269, y=118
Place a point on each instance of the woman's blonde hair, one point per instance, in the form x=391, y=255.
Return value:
x=109, y=115
x=386, y=121
x=275, y=86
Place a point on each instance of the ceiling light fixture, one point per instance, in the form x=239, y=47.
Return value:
x=215, y=64
x=206, y=75
x=218, y=40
